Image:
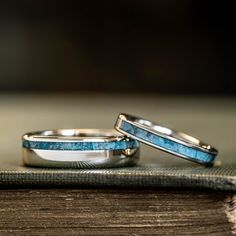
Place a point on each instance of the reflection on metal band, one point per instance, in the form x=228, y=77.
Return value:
x=79, y=149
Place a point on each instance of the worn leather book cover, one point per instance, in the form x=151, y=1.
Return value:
x=13, y=173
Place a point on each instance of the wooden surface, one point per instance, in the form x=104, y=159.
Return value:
x=116, y=212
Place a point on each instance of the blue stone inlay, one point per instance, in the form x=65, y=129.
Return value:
x=169, y=145
x=81, y=146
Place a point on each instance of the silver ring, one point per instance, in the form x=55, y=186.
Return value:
x=79, y=148
x=166, y=139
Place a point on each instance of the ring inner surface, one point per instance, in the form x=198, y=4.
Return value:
x=166, y=132
x=75, y=134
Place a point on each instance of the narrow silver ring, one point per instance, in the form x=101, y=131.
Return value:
x=79, y=148
x=166, y=139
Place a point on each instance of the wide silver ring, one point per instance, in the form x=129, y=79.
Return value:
x=79, y=148
x=166, y=139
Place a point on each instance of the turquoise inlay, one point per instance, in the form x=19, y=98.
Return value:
x=192, y=153
x=81, y=146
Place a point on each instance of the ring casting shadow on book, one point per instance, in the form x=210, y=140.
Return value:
x=166, y=139
x=79, y=148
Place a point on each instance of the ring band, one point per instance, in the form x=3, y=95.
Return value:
x=79, y=148
x=166, y=139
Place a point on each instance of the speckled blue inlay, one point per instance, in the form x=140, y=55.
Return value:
x=167, y=144
x=81, y=146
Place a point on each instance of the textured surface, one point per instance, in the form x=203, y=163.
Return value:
x=212, y=120
x=116, y=212
x=140, y=176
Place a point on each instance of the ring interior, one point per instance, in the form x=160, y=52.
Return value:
x=75, y=134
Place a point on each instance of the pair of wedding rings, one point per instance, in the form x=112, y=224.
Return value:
x=90, y=148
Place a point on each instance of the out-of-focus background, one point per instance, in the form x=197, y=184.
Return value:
x=173, y=47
